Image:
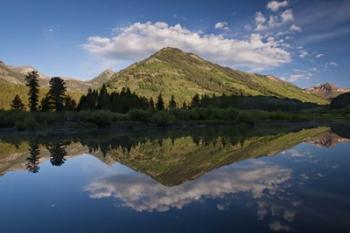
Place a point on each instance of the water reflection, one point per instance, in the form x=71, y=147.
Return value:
x=175, y=170
x=142, y=193
x=32, y=164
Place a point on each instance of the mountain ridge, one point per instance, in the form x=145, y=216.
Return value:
x=169, y=71
x=327, y=90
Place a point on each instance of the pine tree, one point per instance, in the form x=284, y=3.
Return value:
x=32, y=82
x=151, y=104
x=104, y=100
x=172, y=103
x=57, y=93
x=184, y=105
x=195, y=101
x=69, y=104
x=160, y=103
x=46, y=104
x=17, y=104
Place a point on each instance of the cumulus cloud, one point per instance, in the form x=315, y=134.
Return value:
x=276, y=5
x=222, y=25
x=295, y=28
x=142, y=193
x=319, y=55
x=287, y=15
x=140, y=40
x=260, y=20
x=303, y=53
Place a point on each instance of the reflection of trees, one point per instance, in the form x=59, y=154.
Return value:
x=32, y=163
x=57, y=153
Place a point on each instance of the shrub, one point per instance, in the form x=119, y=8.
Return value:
x=139, y=115
x=163, y=118
x=27, y=123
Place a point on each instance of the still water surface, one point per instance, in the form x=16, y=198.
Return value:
x=207, y=181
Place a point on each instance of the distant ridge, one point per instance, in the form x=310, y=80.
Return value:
x=327, y=90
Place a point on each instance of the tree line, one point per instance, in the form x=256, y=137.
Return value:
x=124, y=101
x=56, y=98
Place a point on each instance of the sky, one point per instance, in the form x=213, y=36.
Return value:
x=302, y=41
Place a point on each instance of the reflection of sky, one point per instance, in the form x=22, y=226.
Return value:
x=269, y=184
x=144, y=194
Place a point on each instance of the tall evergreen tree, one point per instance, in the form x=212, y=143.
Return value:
x=184, y=105
x=160, y=103
x=151, y=104
x=172, y=103
x=57, y=93
x=46, y=104
x=32, y=82
x=104, y=100
x=69, y=104
x=195, y=101
x=17, y=103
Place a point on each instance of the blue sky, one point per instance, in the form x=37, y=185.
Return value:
x=302, y=41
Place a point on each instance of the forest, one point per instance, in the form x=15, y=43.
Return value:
x=101, y=108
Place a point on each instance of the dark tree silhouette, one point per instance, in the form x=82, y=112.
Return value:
x=32, y=164
x=104, y=100
x=57, y=154
x=69, y=104
x=32, y=82
x=195, y=101
x=121, y=102
x=172, y=103
x=151, y=104
x=184, y=105
x=57, y=93
x=46, y=104
x=160, y=103
x=17, y=103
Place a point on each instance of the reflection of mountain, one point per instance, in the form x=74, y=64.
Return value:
x=328, y=139
x=170, y=159
x=17, y=157
x=172, y=162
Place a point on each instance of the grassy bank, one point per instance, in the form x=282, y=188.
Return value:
x=104, y=119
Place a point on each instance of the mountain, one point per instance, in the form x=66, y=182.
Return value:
x=12, y=82
x=170, y=71
x=102, y=78
x=174, y=72
x=327, y=90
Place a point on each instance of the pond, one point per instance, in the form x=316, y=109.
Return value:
x=205, y=180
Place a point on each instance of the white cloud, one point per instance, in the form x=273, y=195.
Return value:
x=295, y=77
x=140, y=40
x=333, y=64
x=276, y=5
x=260, y=21
x=298, y=75
x=142, y=193
x=222, y=25
x=319, y=55
x=287, y=15
x=303, y=53
x=295, y=28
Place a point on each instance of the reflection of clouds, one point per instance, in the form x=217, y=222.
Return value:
x=144, y=194
x=277, y=226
